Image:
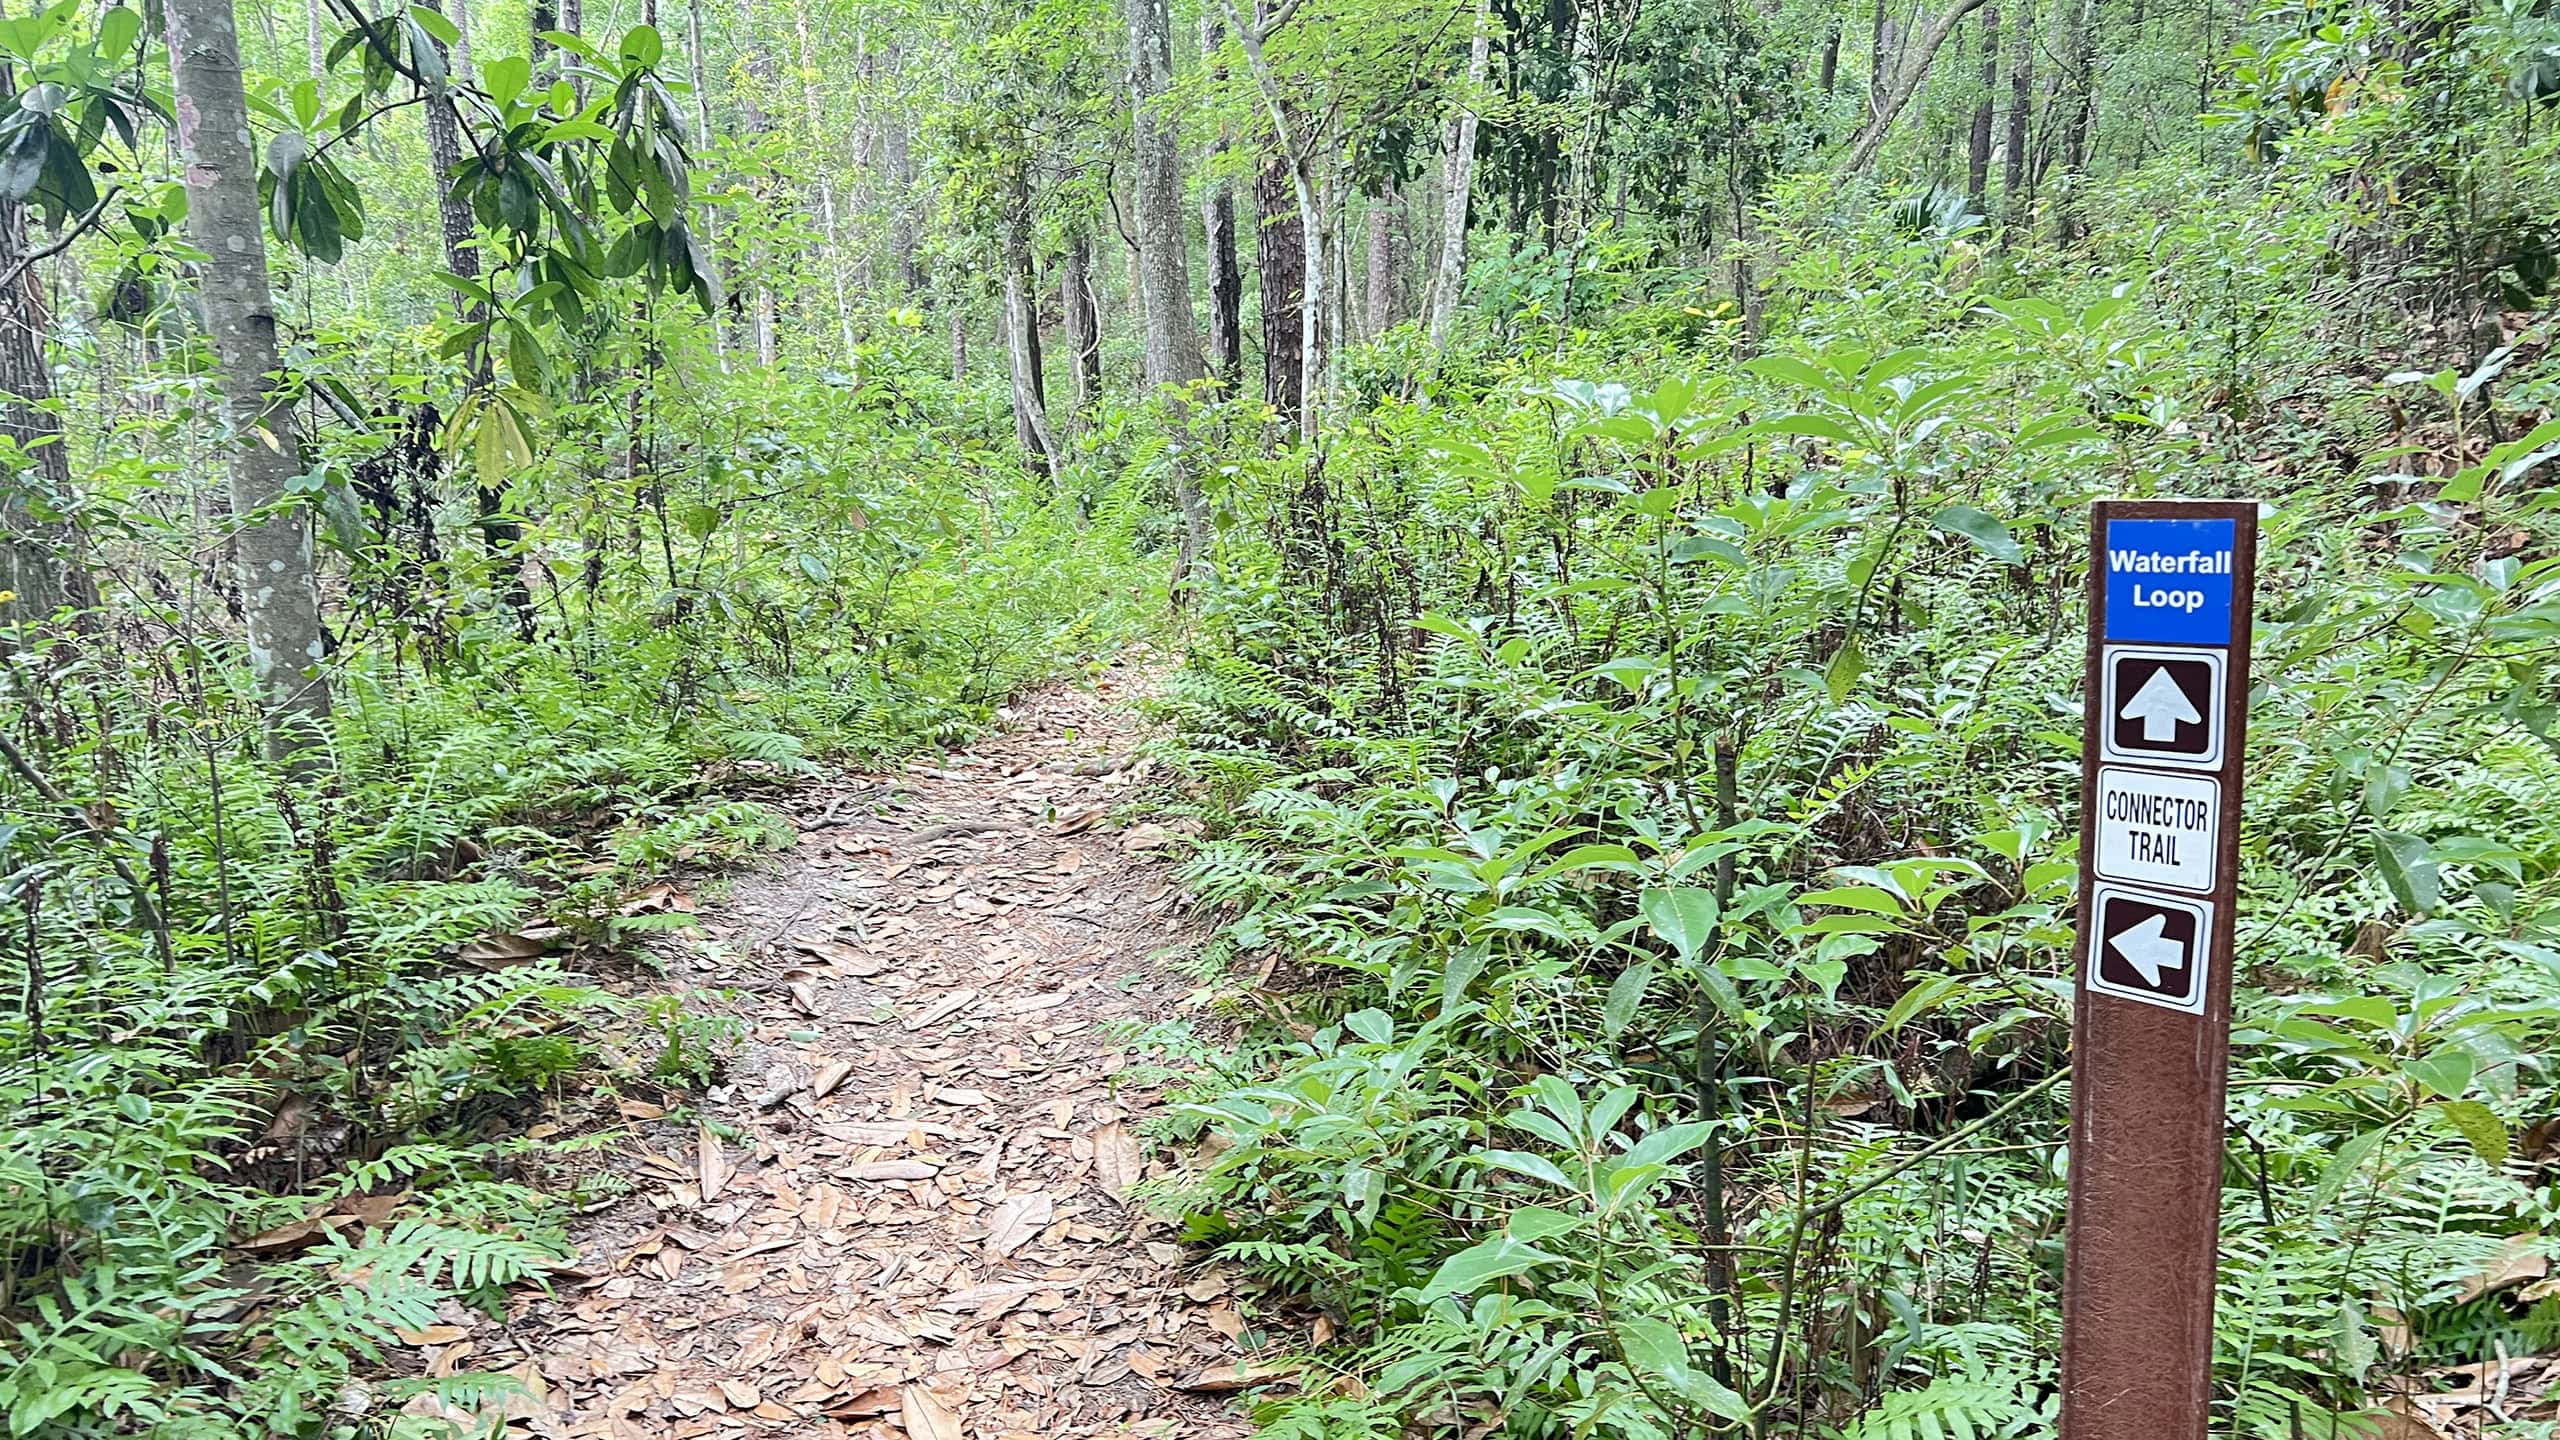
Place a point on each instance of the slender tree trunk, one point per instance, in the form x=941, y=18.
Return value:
x=702, y=121
x=2080, y=103
x=278, y=588
x=1317, y=274
x=1281, y=259
x=460, y=11
x=1084, y=324
x=1457, y=170
x=1977, y=170
x=500, y=532
x=1218, y=222
x=539, y=19
x=39, y=558
x=1879, y=57
x=1385, y=280
x=898, y=176
x=826, y=182
x=1907, y=78
x=315, y=37
x=959, y=346
x=2013, y=163
x=1171, y=345
x=1831, y=59
x=1022, y=343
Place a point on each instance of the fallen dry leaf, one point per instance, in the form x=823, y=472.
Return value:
x=1235, y=1375
x=712, y=1165
x=927, y=1417
x=1117, y=1163
x=942, y=1009
x=1017, y=1221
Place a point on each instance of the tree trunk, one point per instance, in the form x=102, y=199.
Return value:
x=1977, y=170
x=1022, y=343
x=1315, y=273
x=39, y=558
x=959, y=346
x=539, y=19
x=1831, y=59
x=2013, y=163
x=2080, y=103
x=1907, y=78
x=278, y=588
x=460, y=10
x=1171, y=346
x=1457, y=170
x=1218, y=221
x=315, y=37
x=1879, y=57
x=1280, y=256
x=500, y=532
x=897, y=163
x=1084, y=324
x=702, y=140
x=1385, y=280
x=826, y=182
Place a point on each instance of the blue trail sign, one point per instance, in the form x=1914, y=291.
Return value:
x=2166, y=704
x=2169, y=581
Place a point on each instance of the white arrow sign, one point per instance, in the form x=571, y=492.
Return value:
x=2146, y=949
x=2161, y=707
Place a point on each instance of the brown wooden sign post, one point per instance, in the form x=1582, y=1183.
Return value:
x=2167, y=708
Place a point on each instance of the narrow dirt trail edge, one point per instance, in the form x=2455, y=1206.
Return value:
x=917, y=1227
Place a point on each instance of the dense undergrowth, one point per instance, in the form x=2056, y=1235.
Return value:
x=352, y=996
x=1655, y=757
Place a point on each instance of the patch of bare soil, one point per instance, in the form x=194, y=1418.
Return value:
x=916, y=1225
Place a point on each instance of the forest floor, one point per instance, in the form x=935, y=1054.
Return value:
x=905, y=1212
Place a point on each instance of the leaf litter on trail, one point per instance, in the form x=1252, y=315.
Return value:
x=927, y=1239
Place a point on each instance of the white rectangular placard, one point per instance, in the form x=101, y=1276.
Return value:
x=2157, y=829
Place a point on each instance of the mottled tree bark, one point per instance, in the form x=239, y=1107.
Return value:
x=460, y=11
x=2013, y=164
x=1218, y=222
x=2079, y=115
x=1457, y=169
x=1385, y=280
x=1022, y=341
x=278, y=587
x=1977, y=170
x=39, y=558
x=1084, y=323
x=1171, y=346
x=1281, y=258
x=1295, y=155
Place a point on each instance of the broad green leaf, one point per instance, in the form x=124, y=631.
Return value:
x=2408, y=868
x=2344, y=1163
x=1534, y=1223
x=1685, y=917
x=2446, y=1070
x=1857, y=897
x=2479, y=1125
x=1987, y=534
x=1479, y=1265
x=1626, y=997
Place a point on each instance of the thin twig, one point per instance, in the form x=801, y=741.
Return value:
x=79, y=227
